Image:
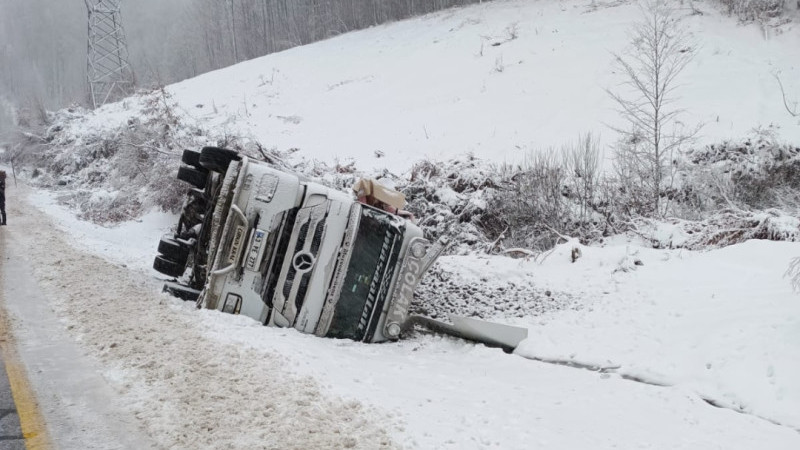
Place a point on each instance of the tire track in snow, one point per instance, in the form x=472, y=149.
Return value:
x=187, y=391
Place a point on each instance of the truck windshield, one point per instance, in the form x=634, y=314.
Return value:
x=375, y=253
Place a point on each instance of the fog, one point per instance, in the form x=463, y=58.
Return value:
x=43, y=42
x=43, y=50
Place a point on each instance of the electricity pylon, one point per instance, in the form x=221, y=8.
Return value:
x=107, y=69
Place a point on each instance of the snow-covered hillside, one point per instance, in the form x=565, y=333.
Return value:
x=499, y=80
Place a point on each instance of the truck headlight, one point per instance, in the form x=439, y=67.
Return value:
x=418, y=249
x=393, y=330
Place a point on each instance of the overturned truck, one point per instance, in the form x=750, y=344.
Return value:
x=289, y=252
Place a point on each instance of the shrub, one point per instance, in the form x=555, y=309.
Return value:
x=552, y=196
x=755, y=173
x=750, y=10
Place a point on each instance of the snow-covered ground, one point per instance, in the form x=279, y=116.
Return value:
x=670, y=334
x=638, y=348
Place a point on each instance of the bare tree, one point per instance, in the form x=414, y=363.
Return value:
x=661, y=49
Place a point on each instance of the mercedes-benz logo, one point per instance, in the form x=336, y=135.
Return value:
x=303, y=261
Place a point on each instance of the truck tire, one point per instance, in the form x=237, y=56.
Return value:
x=191, y=158
x=195, y=177
x=173, y=250
x=181, y=291
x=167, y=267
x=217, y=159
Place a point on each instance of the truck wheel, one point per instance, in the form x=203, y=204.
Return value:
x=173, y=250
x=167, y=267
x=195, y=177
x=217, y=159
x=191, y=158
x=181, y=291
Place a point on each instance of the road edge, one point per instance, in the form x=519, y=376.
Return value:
x=34, y=428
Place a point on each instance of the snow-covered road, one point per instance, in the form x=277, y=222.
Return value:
x=105, y=349
x=116, y=364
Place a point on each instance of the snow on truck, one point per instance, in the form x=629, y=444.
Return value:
x=290, y=252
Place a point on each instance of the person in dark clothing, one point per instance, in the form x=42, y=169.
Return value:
x=2, y=198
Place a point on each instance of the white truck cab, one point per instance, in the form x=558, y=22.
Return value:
x=290, y=252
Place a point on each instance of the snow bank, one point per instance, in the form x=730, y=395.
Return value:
x=723, y=324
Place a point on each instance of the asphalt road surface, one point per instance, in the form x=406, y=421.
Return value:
x=10, y=430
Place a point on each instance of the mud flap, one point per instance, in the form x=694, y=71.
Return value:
x=490, y=334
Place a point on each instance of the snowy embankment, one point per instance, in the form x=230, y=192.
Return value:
x=707, y=326
x=723, y=324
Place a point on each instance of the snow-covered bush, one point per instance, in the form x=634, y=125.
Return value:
x=110, y=174
x=750, y=10
x=451, y=199
x=755, y=173
x=533, y=200
x=553, y=195
x=730, y=192
x=485, y=207
x=720, y=229
x=724, y=193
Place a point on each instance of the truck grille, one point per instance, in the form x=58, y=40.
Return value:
x=310, y=226
x=301, y=241
x=280, y=255
x=316, y=241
